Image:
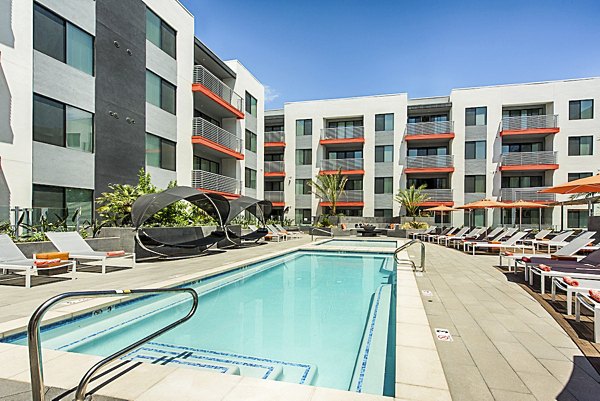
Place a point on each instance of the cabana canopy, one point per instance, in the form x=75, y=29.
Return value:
x=216, y=206
x=259, y=208
x=582, y=185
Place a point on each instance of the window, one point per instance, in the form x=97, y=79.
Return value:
x=430, y=183
x=203, y=164
x=474, y=183
x=581, y=109
x=354, y=184
x=429, y=151
x=345, y=154
x=478, y=217
x=475, y=150
x=160, y=152
x=303, y=127
x=251, y=104
x=476, y=116
x=384, y=122
x=62, y=40
x=250, y=141
x=59, y=124
x=303, y=157
x=384, y=185
x=577, y=176
x=523, y=181
x=577, y=218
x=250, y=181
x=276, y=186
x=160, y=33
x=388, y=213
x=523, y=147
x=303, y=216
x=302, y=187
x=581, y=145
x=61, y=202
x=160, y=92
x=384, y=154
x=274, y=157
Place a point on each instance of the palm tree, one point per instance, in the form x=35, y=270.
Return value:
x=329, y=187
x=411, y=198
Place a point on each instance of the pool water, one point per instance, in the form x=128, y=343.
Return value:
x=300, y=318
x=360, y=243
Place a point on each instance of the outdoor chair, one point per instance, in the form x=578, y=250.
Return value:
x=509, y=243
x=78, y=249
x=572, y=287
x=592, y=303
x=12, y=259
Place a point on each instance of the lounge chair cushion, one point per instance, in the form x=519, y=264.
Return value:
x=53, y=255
x=115, y=253
x=544, y=267
x=570, y=281
x=595, y=295
x=42, y=263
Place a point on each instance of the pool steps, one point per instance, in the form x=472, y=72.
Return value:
x=369, y=372
x=223, y=362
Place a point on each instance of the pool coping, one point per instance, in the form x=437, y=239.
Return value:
x=410, y=383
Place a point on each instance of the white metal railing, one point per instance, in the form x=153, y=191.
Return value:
x=216, y=134
x=274, y=196
x=343, y=164
x=528, y=122
x=474, y=196
x=352, y=195
x=433, y=161
x=215, y=182
x=432, y=127
x=275, y=136
x=343, y=133
x=526, y=194
x=439, y=195
x=274, y=166
x=524, y=158
x=218, y=87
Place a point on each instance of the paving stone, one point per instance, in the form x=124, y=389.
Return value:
x=467, y=384
x=497, y=373
x=505, y=395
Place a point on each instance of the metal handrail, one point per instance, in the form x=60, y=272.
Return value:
x=34, y=343
x=313, y=229
x=408, y=245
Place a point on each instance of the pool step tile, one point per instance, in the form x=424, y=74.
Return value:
x=223, y=362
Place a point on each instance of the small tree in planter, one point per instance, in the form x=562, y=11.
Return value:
x=329, y=188
x=411, y=198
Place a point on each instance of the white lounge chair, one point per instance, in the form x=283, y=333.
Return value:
x=584, y=286
x=460, y=232
x=11, y=258
x=496, y=237
x=474, y=233
x=427, y=231
x=293, y=234
x=538, y=237
x=78, y=249
x=275, y=234
x=509, y=243
x=446, y=231
x=557, y=241
x=593, y=306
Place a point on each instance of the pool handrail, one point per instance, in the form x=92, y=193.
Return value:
x=313, y=229
x=34, y=343
x=408, y=245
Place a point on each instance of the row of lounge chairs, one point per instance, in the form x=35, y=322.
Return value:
x=570, y=260
x=73, y=249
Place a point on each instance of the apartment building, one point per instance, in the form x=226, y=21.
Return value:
x=504, y=142
x=91, y=92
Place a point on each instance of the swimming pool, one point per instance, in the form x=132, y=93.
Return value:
x=309, y=317
x=361, y=243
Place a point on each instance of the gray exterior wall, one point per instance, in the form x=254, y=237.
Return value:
x=161, y=123
x=161, y=63
x=120, y=88
x=79, y=12
x=62, y=167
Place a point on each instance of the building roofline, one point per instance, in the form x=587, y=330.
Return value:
x=184, y=8
x=525, y=83
x=214, y=57
x=235, y=60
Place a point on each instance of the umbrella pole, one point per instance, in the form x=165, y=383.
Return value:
x=520, y=218
x=540, y=220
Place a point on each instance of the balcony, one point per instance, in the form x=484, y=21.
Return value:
x=429, y=130
x=429, y=164
x=216, y=90
x=276, y=198
x=274, y=169
x=216, y=183
x=332, y=136
x=348, y=198
x=275, y=139
x=529, y=125
x=438, y=197
x=530, y=194
x=209, y=135
x=528, y=161
x=348, y=166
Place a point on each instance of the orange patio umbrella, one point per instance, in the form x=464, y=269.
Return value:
x=582, y=185
x=521, y=204
x=483, y=204
x=441, y=209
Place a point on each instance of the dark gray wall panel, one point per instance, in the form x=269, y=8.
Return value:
x=120, y=89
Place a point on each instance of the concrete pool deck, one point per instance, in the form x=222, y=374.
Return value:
x=505, y=345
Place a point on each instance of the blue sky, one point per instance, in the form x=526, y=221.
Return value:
x=304, y=50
